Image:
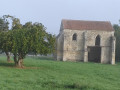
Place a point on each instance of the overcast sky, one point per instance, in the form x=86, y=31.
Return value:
x=51, y=12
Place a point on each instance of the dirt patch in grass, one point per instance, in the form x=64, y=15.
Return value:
x=76, y=86
x=11, y=65
x=26, y=67
x=73, y=86
x=23, y=67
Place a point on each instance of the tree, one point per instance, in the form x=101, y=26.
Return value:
x=4, y=28
x=117, y=35
x=51, y=43
x=5, y=43
x=32, y=39
x=22, y=39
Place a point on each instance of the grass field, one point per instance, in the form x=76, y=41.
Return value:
x=45, y=74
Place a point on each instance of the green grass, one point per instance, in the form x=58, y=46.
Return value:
x=45, y=74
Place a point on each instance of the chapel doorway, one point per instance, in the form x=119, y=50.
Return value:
x=94, y=52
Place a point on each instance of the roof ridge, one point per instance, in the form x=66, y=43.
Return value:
x=84, y=20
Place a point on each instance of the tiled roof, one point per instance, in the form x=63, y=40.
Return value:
x=87, y=25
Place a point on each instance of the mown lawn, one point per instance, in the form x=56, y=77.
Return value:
x=41, y=74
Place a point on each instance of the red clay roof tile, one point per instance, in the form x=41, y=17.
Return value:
x=87, y=25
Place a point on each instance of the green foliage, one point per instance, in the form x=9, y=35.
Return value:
x=117, y=35
x=55, y=75
x=28, y=25
x=19, y=42
x=29, y=38
x=51, y=42
x=15, y=21
x=3, y=24
x=36, y=36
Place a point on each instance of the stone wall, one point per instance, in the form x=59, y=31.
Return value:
x=59, y=45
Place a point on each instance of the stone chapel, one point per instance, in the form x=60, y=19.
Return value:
x=87, y=41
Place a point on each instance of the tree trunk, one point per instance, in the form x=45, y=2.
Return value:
x=20, y=63
x=18, y=60
x=8, y=56
x=15, y=59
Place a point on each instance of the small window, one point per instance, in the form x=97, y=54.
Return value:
x=97, y=41
x=74, y=37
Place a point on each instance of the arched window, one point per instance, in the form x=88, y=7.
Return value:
x=74, y=36
x=97, y=41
